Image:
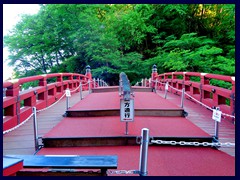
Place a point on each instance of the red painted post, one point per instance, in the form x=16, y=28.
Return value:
x=60, y=87
x=14, y=109
x=204, y=81
x=89, y=75
x=43, y=96
x=154, y=75
x=174, y=82
x=232, y=99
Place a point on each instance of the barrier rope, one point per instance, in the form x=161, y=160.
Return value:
x=15, y=127
x=224, y=114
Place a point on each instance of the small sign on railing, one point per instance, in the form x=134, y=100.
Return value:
x=127, y=110
x=166, y=86
x=217, y=115
x=68, y=93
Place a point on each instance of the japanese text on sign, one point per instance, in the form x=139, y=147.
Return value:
x=68, y=93
x=127, y=110
x=216, y=115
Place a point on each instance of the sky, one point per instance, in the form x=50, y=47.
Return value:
x=11, y=14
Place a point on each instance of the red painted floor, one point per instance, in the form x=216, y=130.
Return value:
x=111, y=126
x=111, y=100
x=162, y=161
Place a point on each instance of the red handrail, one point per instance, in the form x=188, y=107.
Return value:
x=202, y=91
x=41, y=96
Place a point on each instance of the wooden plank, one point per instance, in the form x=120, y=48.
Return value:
x=53, y=114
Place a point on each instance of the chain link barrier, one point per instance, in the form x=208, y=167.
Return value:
x=194, y=143
x=109, y=172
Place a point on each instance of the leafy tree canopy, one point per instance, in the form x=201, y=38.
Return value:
x=126, y=38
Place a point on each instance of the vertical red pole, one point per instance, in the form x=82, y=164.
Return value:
x=203, y=81
x=89, y=75
x=14, y=109
x=154, y=75
x=232, y=99
x=43, y=82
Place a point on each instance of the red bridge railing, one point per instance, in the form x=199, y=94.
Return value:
x=41, y=96
x=201, y=89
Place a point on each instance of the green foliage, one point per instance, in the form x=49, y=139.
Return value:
x=32, y=84
x=219, y=83
x=126, y=38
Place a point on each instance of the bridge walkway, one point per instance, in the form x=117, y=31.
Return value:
x=20, y=141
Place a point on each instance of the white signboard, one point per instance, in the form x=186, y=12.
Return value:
x=127, y=110
x=68, y=93
x=166, y=86
x=216, y=115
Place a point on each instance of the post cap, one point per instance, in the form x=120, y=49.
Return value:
x=154, y=68
x=88, y=67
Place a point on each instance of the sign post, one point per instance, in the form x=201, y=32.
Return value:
x=81, y=96
x=127, y=111
x=217, y=117
x=182, y=99
x=166, y=89
x=35, y=127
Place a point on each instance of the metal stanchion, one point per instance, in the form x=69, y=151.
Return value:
x=81, y=97
x=67, y=103
x=126, y=128
x=98, y=82
x=182, y=99
x=156, y=86
x=217, y=124
x=35, y=127
x=89, y=87
x=166, y=89
x=144, y=152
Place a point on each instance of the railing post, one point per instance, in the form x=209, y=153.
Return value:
x=89, y=87
x=232, y=99
x=154, y=75
x=144, y=152
x=88, y=73
x=98, y=82
x=182, y=99
x=156, y=81
x=35, y=127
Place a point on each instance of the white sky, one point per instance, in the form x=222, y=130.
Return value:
x=11, y=14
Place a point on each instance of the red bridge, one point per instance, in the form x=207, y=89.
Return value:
x=175, y=108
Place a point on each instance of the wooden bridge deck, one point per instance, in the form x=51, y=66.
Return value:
x=20, y=141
